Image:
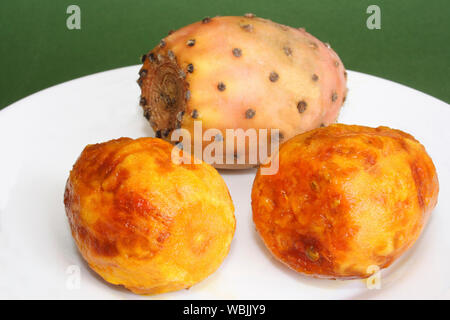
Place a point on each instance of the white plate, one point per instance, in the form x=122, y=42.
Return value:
x=42, y=135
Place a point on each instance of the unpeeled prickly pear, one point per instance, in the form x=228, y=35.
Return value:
x=241, y=72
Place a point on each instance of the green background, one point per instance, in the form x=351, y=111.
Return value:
x=37, y=50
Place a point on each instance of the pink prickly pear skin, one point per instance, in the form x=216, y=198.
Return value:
x=241, y=72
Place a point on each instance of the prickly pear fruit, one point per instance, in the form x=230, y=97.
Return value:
x=241, y=72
